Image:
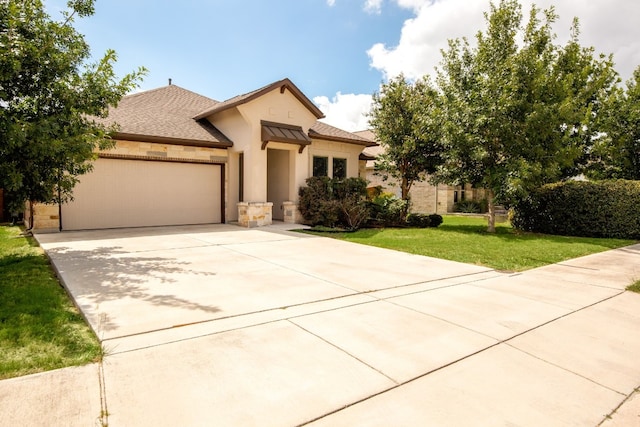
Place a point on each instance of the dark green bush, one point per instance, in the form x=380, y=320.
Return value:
x=386, y=211
x=582, y=208
x=418, y=220
x=332, y=202
x=315, y=202
x=435, y=220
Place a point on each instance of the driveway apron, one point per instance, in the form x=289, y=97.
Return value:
x=219, y=325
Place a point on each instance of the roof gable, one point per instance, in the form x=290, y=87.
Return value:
x=282, y=85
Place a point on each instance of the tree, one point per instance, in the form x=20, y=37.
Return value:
x=49, y=98
x=519, y=109
x=405, y=120
x=617, y=150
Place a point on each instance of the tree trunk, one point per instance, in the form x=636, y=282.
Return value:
x=491, y=227
x=405, y=186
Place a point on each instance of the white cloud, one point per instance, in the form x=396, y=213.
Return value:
x=414, y=5
x=345, y=111
x=331, y=2
x=608, y=25
x=373, y=6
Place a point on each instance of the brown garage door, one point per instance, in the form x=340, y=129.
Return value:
x=134, y=193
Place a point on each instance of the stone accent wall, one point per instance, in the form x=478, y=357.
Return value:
x=425, y=197
x=168, y=151
x=291, y=213
x=45, y=217
x=255, y=214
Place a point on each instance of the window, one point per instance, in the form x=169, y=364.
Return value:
x=459, y=193
x=339, y=168
x=320, y=166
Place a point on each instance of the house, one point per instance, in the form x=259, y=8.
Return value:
x=426, y=198
x=182, y=158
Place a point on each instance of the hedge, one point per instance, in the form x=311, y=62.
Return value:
x=582, y=208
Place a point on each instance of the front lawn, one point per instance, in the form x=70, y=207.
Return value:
x=40, y=328
x=634, y=287
x=465, y=239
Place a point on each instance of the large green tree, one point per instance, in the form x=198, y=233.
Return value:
x=617, y=150
x=520, y=109
x=50, y=95
x=405, y=118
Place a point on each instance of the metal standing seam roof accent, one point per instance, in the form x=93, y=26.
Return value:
x=279, y=132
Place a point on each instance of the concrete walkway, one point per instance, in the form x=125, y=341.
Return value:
x=218, y=325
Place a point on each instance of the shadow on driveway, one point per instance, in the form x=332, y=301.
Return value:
x=109, y=274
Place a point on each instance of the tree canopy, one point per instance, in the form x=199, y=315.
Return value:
x=617, y=150
x=50, y=96
x=405, y=119
x=519, y=110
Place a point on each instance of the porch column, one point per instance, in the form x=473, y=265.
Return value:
x=254, y=214
x=291, y=213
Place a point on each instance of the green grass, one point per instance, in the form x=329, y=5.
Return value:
x=40, y=328
x=634, y=287
x=465, y=239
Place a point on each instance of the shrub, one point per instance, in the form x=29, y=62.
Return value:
x=332, y=202
x=579, y=208
x=315, y=202
x=386, y=210
x=418, y=220
x=435, y=220
x=470, y=206
x=354, y=212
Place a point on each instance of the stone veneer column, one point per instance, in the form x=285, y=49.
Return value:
x=254, y=214
x=291, y=213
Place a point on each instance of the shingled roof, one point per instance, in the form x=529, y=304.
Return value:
x=175, y=115
x=322, y=130
x=166, y=115
x=243, y=99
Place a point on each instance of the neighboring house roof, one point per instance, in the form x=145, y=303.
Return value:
x=370, y=153
x=166, y=115
x=243, y=99
x=322, y=130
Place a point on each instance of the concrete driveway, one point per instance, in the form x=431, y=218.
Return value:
x=219, y=325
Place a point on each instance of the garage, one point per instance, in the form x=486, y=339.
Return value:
x=136, y=193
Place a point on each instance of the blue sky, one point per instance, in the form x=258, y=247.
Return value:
x=337, y=52
x=223, y=48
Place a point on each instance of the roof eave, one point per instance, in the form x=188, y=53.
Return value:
x=316, y=135
x=171, y=141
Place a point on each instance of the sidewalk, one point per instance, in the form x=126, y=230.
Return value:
x=557, y=345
